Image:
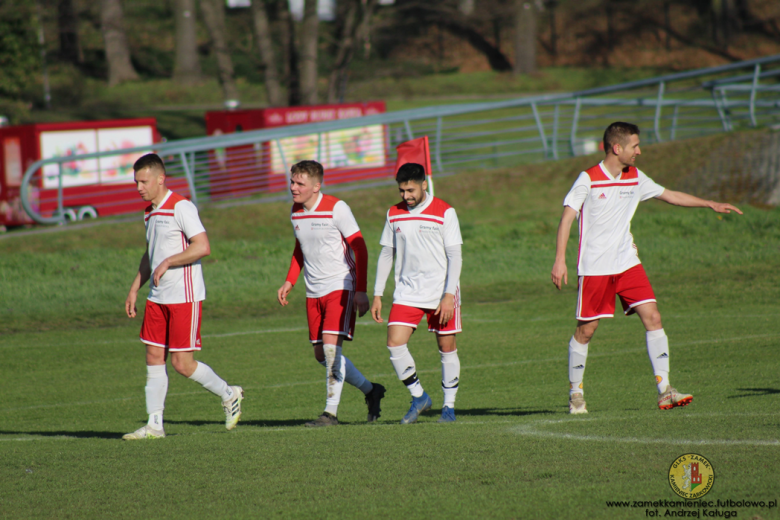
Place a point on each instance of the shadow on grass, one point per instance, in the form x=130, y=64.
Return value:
x=478, y=412
x=79, y=434
x=756, y=392
x=267, y=423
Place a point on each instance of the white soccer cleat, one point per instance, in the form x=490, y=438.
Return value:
x=577, y=404
x=671, y=398
x=145, y=432
x=232, y=408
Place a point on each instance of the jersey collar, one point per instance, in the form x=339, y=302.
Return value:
x=316, y=204
x=162, y=202
x=421, y=207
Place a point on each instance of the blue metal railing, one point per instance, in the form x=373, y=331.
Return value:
x=472, y=135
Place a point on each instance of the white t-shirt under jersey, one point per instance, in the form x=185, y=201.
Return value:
x=328, y=260
x=169, y=228
x=419, y=237
x=605, y=206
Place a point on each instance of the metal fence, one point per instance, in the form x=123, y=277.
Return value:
x=463, y=136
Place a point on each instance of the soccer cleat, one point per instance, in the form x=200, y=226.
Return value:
x=325, y=419
x=447, y=415
x=577, y=404
x=145, y=432
x=671, y=398
x=373, y=399
x=232, y=408
x=419, y=405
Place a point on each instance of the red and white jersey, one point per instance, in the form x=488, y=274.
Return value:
x=605, y=206
x=328, y=261
x=419, y=237
x=169, y=228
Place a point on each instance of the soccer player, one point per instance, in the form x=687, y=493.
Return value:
x=604, y=198
x=423, y=233
x=330, y=248
x=176, y=241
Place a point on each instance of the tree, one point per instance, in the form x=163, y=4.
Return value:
x=525, y=37
x=262, y=29
x=67, y=23
x=290, y=53
x=186, y=68
x=355, y=27
x=120, y=68
x=18, y=51
x=308, y=64
x=214, y=16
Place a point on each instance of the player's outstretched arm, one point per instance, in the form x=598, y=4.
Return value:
x=144, y=272
x=678, y=198
x=198, y=248
x=560, y=274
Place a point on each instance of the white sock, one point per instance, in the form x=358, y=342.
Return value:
x=156, y=389
x=353, y=376
x=405, y=369
x=211, y=381
x=335, y=368
x=578, y=354
x=450, y=377
x=658, y=352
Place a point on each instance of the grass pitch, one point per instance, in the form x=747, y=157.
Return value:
x=73, y=373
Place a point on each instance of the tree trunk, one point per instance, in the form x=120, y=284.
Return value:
x=117, y=51
x=273, y=88
x=309, y=40
x=187, y=67
x=290, y=58
x=344, y=54
x=214, y=17
x=525, y=37
x=70, y=46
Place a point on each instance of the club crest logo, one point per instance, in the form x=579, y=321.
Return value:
x=691, y=476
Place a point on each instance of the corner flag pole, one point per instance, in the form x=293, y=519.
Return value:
x=416, y=151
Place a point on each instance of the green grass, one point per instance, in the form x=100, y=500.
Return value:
x=72, y=372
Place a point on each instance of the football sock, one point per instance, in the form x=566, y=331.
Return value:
x=578, y=354
x=335, y=367
x=212, y=382
x=403, y=363
x=450, y=376
x=658, y=352
x=353, y=376
x=156, y=389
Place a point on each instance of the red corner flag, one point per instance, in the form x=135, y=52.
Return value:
x=416, y=151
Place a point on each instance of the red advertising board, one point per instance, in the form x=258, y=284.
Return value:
x=347, y=155
x=91, y=187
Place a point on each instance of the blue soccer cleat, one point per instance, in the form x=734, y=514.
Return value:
x=419, y=405
x=447, y=414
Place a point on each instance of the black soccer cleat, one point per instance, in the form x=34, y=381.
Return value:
x=373, y=398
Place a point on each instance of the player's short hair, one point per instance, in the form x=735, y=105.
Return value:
x=618, y=133
x=311, y=168
x=410, y=172
x=151, y=161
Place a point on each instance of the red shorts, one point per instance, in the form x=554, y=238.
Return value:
x=175, y=326
x=596, y=294
x=411, y=316
x=333, y=313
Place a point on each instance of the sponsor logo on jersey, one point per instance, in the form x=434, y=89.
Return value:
x=625, y=194
x=398, y=229
x=691, y=476
x=428, y=229
x=297, y=227
x=603, y=196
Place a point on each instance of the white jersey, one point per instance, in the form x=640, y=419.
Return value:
x=169, y=228
x=420, y=236
x=328, y=260
x=605, y=206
